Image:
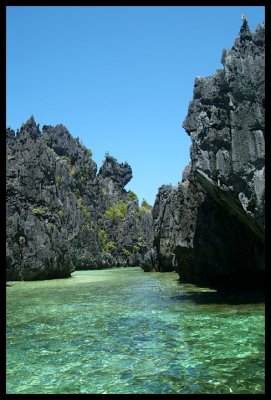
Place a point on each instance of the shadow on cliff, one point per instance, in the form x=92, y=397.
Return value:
x=234, y=297
x=228, y=252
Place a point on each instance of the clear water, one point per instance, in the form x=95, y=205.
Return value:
x=126, y=331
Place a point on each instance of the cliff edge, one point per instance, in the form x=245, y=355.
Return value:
x=210, y=228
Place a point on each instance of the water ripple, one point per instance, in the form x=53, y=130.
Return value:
x=125, y=331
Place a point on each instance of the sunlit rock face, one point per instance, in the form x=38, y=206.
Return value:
x=61, y=214
x=210, y=228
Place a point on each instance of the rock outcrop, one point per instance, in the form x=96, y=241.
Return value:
x=210, y=228
x=61, y=214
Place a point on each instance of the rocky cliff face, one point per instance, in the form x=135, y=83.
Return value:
x=211, y=227
x=61, y=214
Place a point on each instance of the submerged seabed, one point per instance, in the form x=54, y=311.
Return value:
x=126, y=331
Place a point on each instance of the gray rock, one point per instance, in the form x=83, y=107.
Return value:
x=211, y=227
x=61, y=214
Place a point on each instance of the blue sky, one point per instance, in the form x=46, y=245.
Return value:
x=119, y=77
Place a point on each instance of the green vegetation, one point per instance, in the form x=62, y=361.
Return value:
x=87, y=228
x=85, y=172
x=81, y=143
x=131, y=196
x=102, y=237
x=77, y=193
x=60, y=213
x=103, y=193
x=110, y=246
x=107, y=246
x=46, y=141
x=89, y=153
x=58, y=180
x=145, y=206
x=70, y=237
x=85, y=211
x=117, y=212
x=38, y=211
x=83, y=207
x=126, y=252
x=136, y=247
x=68, y=159
x=73, y=170
x=65, y=158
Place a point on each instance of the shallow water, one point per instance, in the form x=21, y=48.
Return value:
x=126, y=331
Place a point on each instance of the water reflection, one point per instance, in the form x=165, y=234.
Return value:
x=223, y=297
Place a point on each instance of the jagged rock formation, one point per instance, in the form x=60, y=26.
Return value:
x=61, y=214
x=211, y=227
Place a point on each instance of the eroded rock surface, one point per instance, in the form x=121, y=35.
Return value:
x=61, y=214
x=210, y=228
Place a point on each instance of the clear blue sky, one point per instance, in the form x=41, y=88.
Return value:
x=120, y=78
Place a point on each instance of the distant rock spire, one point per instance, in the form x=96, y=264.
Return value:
x=30, y=127
x=245, y=33
x=30, y=122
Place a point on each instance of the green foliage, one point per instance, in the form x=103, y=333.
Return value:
x=103, y=192
x=89, y=153
x=110, y=246
x=85, y=172
x=117, y=212
x=102, y=237
x=85, y=211
x=107, y=246
x=38, y=211
x=58, y=180
x=73, y=170
x=77, y=193
x=131, y=196
x=136, y=247
x=70, y=237
x=60, y=213
x=126, y=252
x=68, y=160
x=46, y=141
x=145, y=206
x=87, y=228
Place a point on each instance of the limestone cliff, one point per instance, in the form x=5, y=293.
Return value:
x=210, y=228
x=61, y=214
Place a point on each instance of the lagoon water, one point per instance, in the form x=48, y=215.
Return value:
x=125, y=331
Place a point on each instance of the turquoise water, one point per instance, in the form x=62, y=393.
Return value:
x=126, y=331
